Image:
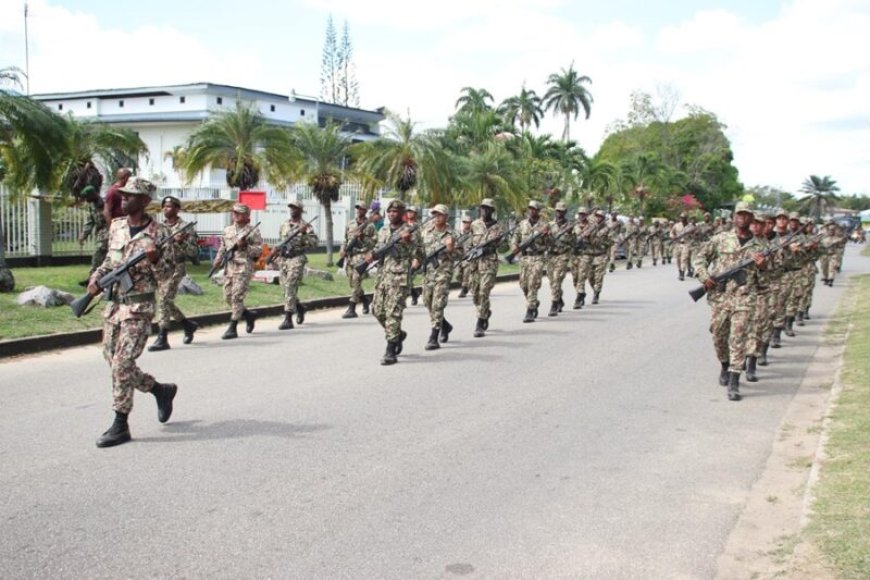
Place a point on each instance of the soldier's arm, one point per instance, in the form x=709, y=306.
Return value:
x=255, y=245
x=701, y=260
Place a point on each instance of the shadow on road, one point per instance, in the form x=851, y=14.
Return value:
x=196, y=430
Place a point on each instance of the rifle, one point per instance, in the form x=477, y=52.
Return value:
x=120, y=275
x=564, y=230
x=280, y=247
x=582, y=239
x=685, y=232
x=509, y=257
x=352, y=244
x=736, y=271
x=480, y=250
x=230, y=254
x=432, y=258
x=378, y=254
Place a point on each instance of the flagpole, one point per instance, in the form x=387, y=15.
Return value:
x=26, y=52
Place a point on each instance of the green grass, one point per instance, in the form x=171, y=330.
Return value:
x=841, y=520
x=23, y=321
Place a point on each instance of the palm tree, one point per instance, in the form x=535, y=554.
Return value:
x=469, y=131
x=566, y=95
x=820, y=194
x=523, y=109
x=323, y=153
x=241, y=142
x=600, y=176
x=403, y=159
x=474, y=100
x=492, y=172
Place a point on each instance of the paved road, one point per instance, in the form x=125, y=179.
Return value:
x=596, y=444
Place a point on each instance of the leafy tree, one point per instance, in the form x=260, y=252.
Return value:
x=524, y=109
x=855, y=202
x=474, y=100
x=821, y=194
x=566, y=95
x=601, y=177
x=470, y=130
x=491, y=172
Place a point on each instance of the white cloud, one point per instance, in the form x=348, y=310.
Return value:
x=708, y=30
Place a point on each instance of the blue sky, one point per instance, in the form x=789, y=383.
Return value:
x=790, y=79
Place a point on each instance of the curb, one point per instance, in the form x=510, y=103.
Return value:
x=38, y=344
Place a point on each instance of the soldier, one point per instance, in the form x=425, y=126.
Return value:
x=185, y=249
x=667, y=245
x=438, y=238
x=783, y=280
x=639, y=242
x=679, y=235
x=359, y=239
x=760, y=321
x=841, y=247
x=795, y=272
x=484, y=230
x=812, y=252
x=600, y=241
x=561, y=253
x=392, y=285
x=615, y=227
x=292, y=259
x=732, y=302
x=463, y=270
x=582, y=261
x=127, y=318
x=655, y=242
x=533, y=257
x=246, y=244
x=412, y=215
x=630, y=232
x=95, y=226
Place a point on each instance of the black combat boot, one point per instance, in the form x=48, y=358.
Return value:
x=655, y=262
x=734, y=387
x=595, y=297
x=189, y=327
x=629, y=266
x=750, y=369
x=164, y=393
x=612, y=267
x=446, y=329
x=162, y=342
x=401, y=343
x=250, y=319
x=579, y=301
x=682, y=276
x=463, y=292
x=351, y=311
x=639, y=264
x=561, y=304
x=723, y=374
x=231, y=332
x=554, y=308
x=789, y=325
x=530, y=315
x=800, y=318
x=300, y=312
x=762, y=360
x=433, y=339
x=287, y=323
x=807, y=313
x=415, y=296
x=479, y=330
x=691, y=272
x=389, y=357
x=776, y=338
x=535, y=309
x=118, y=433
x=365, y=303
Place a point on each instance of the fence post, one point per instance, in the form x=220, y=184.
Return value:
x=39, y=230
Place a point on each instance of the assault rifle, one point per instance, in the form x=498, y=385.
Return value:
x=120, y=275
x=482, y=248
x=583, y=239
x=389, y=248
x=353, y=243
x=230, y=254
x=537, y=233
x=564, y=229
x=432, y=259
x=737, y=271
x=276, y=251
x=684, y=233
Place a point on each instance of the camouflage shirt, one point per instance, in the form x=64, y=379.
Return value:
x=524, y=231
x=364, y=235
x=187, y=249
x=299, y=243
x=562, y=240
x=482, y=232
x=722, y=252
x=398, y=261
x=433, y=239
x=95, y=224
x=242, y=261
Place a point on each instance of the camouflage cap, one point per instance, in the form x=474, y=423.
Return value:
x=794, y=216
x=488, y=202
x=561, y=206
x=397, y=203
x=242, y=209
x=360, y=205
x=439, y=208
x=582, y=209
x=760, y=216
x=171, y=199
x=139, y=186
x=412, y=208
x=600, y=212
x=467, y=218
x=295, y=203
x=742, y=206
x=683, y=214
x=534, y=205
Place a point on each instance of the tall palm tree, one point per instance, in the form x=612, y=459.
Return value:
x=323, y=152
x=470, y=131
x=820, y=194
x=491, y=172
x=474, y=100
x=566, y=95
x=523, y=109
x=599, y=176
x=241, y=142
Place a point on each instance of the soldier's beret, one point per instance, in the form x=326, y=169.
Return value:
x=171, y=199
x=742, y=206
x=397, y=203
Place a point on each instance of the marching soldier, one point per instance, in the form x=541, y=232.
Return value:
x=654, y=235
x=127, y=318
x=412, y=215
x=812, y=252
x=463, y=269
x=533, y=257
x=484, y=230
x=582, y=261
x=95, y=226
x=440, y=238
x=292, y=260
x=630, y=232
x=246, y=244
x=830, y=244
x=599, y=242
x=680, y=233
x=359, y=239
x=639, y=242
x=185, y=249
x=615, y=228
x=783, y=278
x=561, y=254
x=731, y=302
x=760, y=321
x=392, y=286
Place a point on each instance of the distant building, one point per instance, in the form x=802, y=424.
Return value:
x=165, y=116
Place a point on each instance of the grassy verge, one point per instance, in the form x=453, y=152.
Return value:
x=841, y=515
x=23, y=321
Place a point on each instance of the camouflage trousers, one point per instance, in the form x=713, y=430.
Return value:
x=782, y=290
x=557, y=269
x=638, y=249
x=483, y=273
x=123, y=342
x=597, y=271
x=729, y=324
x=167, y=291
x=292, y=270
x=436, y=289
x=655, y=247
x=667, y=249
x=794, y=293
x=463, y=274
x=760, y=324
x=354, y=278
x=581, y=266
x=235, y=289
x=388, y=303
x=100, y=251
x=531, y=274
x=808, y=284
x=681, y=257
x=828, y=265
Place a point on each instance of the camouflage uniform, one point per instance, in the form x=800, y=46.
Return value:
x=639, y=244
x=629, y=243
x=561, y=254
x=186, y=250
x=785, y=264
x=463, y=269
x=436, y=279
x=292, y=261
x=667, y=245
x=593, y=249
x=615, y=228
x=831, y=244
x=582, y=262
x=240, y=269
x=127, y=318
x=761, y=321
x=681, y=247
x=366, y=236
x=393, y=282
x=655, y=242
x=95, y=225
x=485, y=269
x=532, y=261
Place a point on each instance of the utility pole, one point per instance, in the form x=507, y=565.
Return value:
x=26, y=52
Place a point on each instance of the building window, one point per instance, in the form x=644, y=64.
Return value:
x=272, y=108
x=150, y=101
x=121, y=104
x=181, y=100
x=60, y=106
x=89, y=104
x=220, y=100
x=302, y=113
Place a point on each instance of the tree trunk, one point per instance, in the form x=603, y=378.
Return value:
x=327, y=208
x=7, y=280
x=566, y=134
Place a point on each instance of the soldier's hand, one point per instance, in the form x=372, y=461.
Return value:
x=152, y=253
x=369, y=258
x=415, y=264
x=759, y=260
x=709, y=284
x=450, y=244
x=93, y=289
x=405, y=236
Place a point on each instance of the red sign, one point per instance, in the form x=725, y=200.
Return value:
x=253, y=199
